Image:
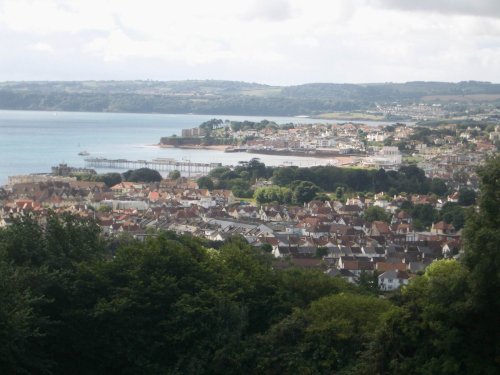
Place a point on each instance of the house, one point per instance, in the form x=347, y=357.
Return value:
x=380, y=228
x=453, y=197
x=402, y=217
x=126, y=187
x=243, y=212
x=384, y=266
x=5, y=222
x=355, y=266
x=345, y=274
x=392, y=279
x=442, y=228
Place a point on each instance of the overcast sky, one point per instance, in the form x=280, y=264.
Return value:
x=267, y=41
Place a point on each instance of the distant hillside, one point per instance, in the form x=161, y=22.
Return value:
x=230, y=98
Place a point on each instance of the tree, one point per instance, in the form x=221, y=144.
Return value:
x=284, y=176
x=482, y=259
x=20, y=326
x=38, y=270
x=270, y=194
x=453, y=213
x=321, y=252
x=205, y=182
x=174, y=175
x=380, y=180
x=466, y=197
x=425, y=335
x=407, y=205
x=240, y=188
x=424, y=213
x=438, y=187
x=110, y=179
x=322, y=197
x=375, y=213
x=304, y=192
x=104, y=208
x=256, y=168
x=339, y=192
x=216, y=173
x=324, y=338
x=368, y=282
x=142, y=175
x=266, y=248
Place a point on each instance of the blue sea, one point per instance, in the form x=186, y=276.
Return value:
x=33, y=141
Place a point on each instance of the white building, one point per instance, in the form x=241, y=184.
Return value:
x=376, y=137
x=392, y=279
x=325, y=142
x=389, y=157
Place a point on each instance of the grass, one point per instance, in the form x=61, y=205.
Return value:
x=412, y=159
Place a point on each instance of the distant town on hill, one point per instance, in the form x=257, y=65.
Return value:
x=376, y=101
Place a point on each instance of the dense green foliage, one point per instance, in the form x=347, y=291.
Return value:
x=409, y=179
x=142, y=175
x=375, y=213
x=205, y=182
x=467, y=197
x=241, y=178
x=423, y=216
x=273, y=194
x=174, y=175
x=110, y=179
x=453, y=213
x=169, y=305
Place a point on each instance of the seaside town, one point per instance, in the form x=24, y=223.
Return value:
x=345, y=233
x=261, y=187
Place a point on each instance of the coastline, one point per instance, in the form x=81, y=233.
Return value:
x=195, y=147
x=340, y=160
x=110, y=135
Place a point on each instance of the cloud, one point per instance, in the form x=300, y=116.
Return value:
x=486, y=8
x=273, y=41
x=270, y=10
x=43, y=47
x=48, y=16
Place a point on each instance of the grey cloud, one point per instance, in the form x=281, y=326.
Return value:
x=485, y=8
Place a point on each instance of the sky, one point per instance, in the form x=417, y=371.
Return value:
x=277, y=42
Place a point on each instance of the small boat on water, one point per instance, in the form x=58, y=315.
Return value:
x=84, y=153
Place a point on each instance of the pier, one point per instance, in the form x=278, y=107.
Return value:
x=161, y=164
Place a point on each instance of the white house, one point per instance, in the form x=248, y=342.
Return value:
x=392, y=279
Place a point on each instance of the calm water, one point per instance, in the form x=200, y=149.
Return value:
x=32, y=142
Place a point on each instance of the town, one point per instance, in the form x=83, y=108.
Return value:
x=345, y=232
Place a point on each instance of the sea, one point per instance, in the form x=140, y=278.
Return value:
x=34, y=141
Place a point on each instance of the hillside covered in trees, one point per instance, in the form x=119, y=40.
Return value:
x=228, y=97
x=74, y=302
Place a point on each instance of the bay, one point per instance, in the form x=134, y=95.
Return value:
x=34, y=141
